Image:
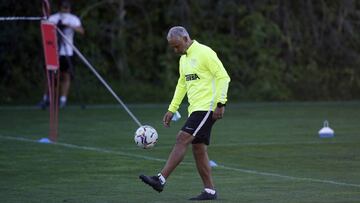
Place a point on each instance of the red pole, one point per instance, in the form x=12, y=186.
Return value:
x=56, y=105
x=53, y=76
x=50, y=92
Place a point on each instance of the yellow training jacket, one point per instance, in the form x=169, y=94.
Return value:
x=202, y=77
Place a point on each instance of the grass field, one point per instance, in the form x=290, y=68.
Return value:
x=267, y=152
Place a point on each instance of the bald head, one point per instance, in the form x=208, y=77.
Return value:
x=179, y=39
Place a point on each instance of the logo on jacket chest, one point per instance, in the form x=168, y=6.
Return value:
x=190, y=77
x=193, y=63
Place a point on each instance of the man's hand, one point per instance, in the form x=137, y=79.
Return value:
x=218, y=113
x=167, y=118
x=61, y=25
x=78, y=29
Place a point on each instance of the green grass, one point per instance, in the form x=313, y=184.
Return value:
x=267, y=152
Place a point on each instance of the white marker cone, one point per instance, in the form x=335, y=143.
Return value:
x=326, y=131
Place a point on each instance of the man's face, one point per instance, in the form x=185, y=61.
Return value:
x=178, y=44
x=65, y=9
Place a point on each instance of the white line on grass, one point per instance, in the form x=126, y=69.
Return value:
x=289, y=177
x=187, y=163
x=245, y=144
x=268, y=144
x=86, y=148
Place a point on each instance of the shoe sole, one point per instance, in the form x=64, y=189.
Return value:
x=191, y=199
x=203, y=199
x=144, y=178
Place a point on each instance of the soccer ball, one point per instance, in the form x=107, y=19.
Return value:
x=146, y=137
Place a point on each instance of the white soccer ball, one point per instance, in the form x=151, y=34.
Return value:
x=146, y=137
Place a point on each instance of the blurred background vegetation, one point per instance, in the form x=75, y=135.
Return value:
x=274, y=50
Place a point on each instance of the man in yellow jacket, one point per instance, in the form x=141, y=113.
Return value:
x=205, y=81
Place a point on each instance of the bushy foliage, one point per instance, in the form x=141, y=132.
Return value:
x=273, y=50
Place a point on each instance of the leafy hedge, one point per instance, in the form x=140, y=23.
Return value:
x=273, y=50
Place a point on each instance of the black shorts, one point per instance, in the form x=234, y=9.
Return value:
x=199, y=125
x=66, y=63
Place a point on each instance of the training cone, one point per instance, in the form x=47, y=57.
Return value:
x=44, y=140
x=326, y=131
x=212, y=163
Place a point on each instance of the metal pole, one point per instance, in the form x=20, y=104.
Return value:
x=99, y=77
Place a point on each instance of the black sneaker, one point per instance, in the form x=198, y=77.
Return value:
x=153, y=181
x=205, y=196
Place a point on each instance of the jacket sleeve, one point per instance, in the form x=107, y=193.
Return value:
x=179, y=94
x=222, y=78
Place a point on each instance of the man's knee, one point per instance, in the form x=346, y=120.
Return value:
x=199, y=148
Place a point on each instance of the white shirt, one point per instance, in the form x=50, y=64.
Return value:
x=68, y=19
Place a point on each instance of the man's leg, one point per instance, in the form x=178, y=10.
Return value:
x=177, y=154
x=65, y=86
x=183, y=139
x=204, y=169
x=44, y=103
x=65, y=83
x=202, y=164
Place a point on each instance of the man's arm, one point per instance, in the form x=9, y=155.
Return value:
x=75, y=24
x=179, y=95
x=222, y=84
x=79, y=29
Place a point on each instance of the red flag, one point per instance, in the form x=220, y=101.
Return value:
x=48, y=31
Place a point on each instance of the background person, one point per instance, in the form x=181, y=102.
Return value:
x=205, y=81
x=68, y=23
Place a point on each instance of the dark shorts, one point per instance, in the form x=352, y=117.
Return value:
x=66, y=63
x=199, y=124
